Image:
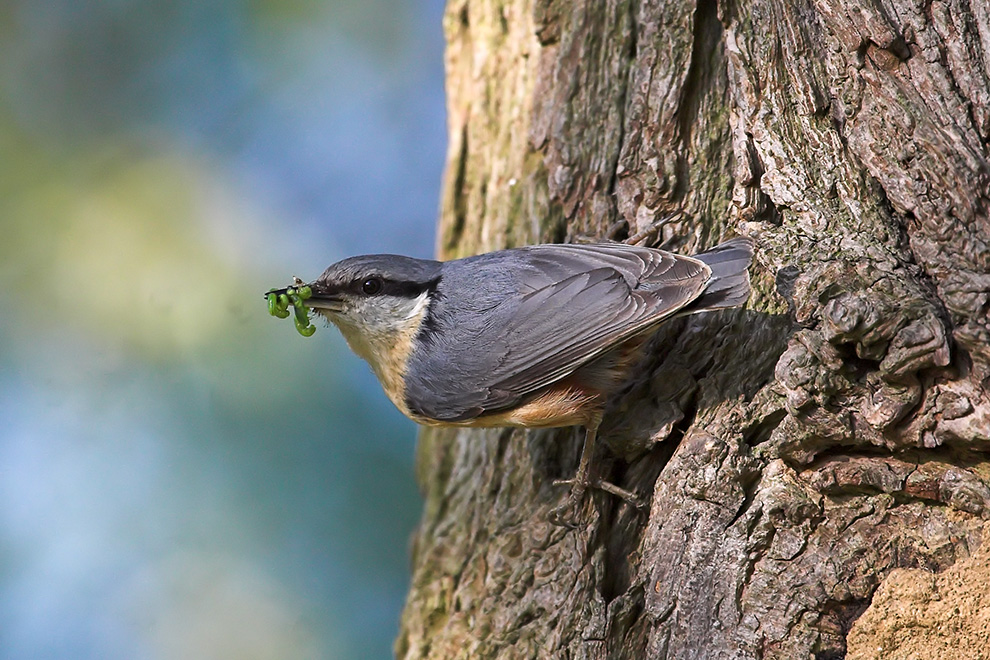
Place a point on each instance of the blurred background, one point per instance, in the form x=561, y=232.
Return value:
x=181, y=475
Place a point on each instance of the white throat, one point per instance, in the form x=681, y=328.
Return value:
x=382, y=331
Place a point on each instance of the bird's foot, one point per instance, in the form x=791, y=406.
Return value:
x=568, y=513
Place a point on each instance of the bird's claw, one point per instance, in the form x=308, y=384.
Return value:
x=567, y=514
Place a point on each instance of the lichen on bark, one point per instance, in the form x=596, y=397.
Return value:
x=794, y=452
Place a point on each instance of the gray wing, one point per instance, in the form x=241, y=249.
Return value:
x=526, y=318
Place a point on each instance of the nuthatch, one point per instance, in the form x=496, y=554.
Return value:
x=535, y=337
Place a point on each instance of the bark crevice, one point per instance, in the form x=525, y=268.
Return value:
x=795, y=453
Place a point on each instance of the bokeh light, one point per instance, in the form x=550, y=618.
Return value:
x=182, y=476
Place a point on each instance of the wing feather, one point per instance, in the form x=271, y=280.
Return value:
x=538, y=314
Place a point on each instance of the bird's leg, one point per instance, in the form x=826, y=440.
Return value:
x=566, y=514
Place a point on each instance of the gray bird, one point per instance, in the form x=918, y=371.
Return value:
x=533, y=337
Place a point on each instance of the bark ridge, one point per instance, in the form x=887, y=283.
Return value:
x=797, y=451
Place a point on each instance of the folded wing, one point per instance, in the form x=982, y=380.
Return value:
x=566, y=305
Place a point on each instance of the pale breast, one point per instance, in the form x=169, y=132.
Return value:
x=388, y=352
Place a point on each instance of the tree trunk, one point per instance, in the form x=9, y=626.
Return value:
x=793, y=453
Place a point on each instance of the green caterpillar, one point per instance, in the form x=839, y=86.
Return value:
x=278, y=305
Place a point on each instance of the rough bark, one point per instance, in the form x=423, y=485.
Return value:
x=794, y=452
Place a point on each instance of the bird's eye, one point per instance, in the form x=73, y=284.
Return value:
x=371, y=286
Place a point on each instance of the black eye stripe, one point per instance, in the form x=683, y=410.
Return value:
x=407, y=289
x=387, y=287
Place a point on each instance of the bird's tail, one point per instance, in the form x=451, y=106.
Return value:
x=729, y=284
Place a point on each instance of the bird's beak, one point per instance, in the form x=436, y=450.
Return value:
x=321, y=298
x=324, y=299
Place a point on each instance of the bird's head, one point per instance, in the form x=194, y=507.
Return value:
x=377, y=301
